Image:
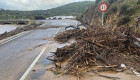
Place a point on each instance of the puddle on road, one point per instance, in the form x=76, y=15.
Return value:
x=43, y=42
x=46, y=62
x=37, y=75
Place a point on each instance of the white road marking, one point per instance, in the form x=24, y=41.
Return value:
x=57, y=31
x=32, y=65
x=35, y=61
x=14, y=37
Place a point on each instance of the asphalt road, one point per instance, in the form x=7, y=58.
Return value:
x=18, y=54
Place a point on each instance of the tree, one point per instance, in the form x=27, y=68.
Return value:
x=138, y=2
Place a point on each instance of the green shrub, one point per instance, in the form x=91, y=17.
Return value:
x=130, y=11
x=114, y=8
x=123, y=8
x=138, y=2
x=124, y=20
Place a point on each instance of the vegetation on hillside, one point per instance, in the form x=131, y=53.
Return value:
x=73, y=9
x=120, y=12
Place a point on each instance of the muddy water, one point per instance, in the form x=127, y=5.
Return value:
x=65, y=22
x=8, y=28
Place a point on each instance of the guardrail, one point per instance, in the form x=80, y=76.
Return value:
x=13, y=37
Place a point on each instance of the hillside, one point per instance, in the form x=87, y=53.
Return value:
x=120, y=12
x=74, y=9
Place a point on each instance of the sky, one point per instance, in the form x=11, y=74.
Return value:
x=26, y=5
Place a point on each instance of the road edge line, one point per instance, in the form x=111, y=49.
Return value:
x=35, y=61
x=32, y=65
x=14, y=37
x=57, y=31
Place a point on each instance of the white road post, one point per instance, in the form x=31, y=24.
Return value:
x=103, y=18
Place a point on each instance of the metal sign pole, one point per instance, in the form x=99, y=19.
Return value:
x=102, y=18
x=103, y=7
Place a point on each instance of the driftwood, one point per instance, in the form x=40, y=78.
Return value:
x=100, y=57
x=109, y=77
x=96, y=49
x=51, y=59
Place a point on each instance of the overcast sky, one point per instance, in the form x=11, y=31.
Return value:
x=34, y=4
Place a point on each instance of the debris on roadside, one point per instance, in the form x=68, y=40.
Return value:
x=96, y=49
x=18, y=30
x=67, y=35
x=135, y=72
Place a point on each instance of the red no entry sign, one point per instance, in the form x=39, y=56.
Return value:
x=103, y=7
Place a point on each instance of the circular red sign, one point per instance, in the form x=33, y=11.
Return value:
x=103, y=7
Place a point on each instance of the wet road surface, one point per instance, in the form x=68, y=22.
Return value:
x=17, y=55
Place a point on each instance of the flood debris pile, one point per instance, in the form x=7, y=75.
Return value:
x=67, y=35
x=97, y=49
